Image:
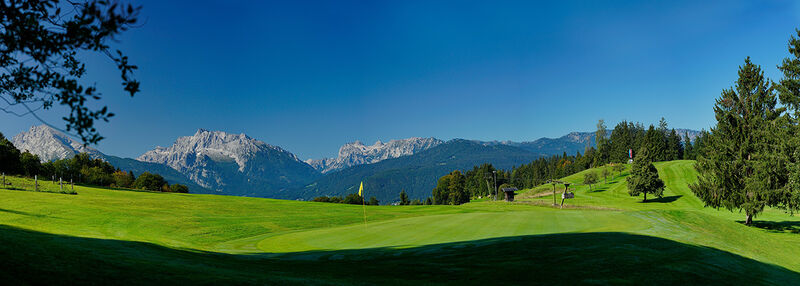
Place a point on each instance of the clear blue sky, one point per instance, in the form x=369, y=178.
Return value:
x=310, y=76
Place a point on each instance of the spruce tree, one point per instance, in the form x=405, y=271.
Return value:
x=737, y=171
x=687, y=149
x=404, y=198
x=789, y=95
x=644, y=176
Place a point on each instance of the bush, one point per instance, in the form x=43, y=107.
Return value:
x=150, y=182
x=178, y=188
x=353, y=199
x=123, y=179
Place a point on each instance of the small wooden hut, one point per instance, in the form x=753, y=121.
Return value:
x=510, y=192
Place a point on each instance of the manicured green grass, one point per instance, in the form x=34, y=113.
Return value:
x=603, y=236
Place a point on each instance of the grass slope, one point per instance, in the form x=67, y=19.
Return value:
x=602, y=236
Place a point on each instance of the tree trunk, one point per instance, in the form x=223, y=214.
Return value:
x=645, y=198
x=749, y=220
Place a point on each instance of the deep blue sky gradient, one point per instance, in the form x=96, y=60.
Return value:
x=309, y=76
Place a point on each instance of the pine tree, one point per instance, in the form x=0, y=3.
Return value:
x=789, y=94
x=737, y=172
x=687, y=149
x=674, y=146
x=403, y=198
x=644, y=176
x=655, y=143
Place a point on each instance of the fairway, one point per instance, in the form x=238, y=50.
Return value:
x=235, y=239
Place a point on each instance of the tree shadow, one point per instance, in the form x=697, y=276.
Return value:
x=22, y=213
x=599, y=189
x=31, y=257
x=776, y=226
x=667, y=199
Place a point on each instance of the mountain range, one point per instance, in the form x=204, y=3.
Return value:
x=356, y=153
x=217, y=162
x=233, y=164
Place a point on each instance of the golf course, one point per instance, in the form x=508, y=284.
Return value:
x=602, y=236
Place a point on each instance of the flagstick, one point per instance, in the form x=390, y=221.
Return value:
x=363, y=206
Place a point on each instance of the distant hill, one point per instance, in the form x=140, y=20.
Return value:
x=571, y=143
x=417, y=174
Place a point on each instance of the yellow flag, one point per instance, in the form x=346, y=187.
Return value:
x=361, y=188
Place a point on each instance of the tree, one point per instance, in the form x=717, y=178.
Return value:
x=644, y=177
x=623, y=138
x=450, y=189
x=618, y=168
x=601, y=140
x=373, y=201
x=656, y=144
x=150, y=182
x=403, y=198
x=428, y=201
x=605, y=173
x=95, y=176
x=590, y=178
x=30, y=164
x=123, y=179
x=739, y=171
x=674, y=146
x=688, y=153
x=9, y=157
x=789, y=151
x=353, y=199
x=178, y=188
x=40, y=50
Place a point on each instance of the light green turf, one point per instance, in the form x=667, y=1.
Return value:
x=240, y=225
x=680, y=218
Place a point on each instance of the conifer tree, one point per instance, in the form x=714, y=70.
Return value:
x=789, y=95
x=687, y=149
x=404, y=198
x=644, y=176
x=737, y=172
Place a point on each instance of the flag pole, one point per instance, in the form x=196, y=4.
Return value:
x=363, y=203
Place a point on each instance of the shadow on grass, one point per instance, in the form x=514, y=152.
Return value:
x=21, y=213
x=31, y=257
x=599, y=189
x=776, y=226
x=668, y=199
x=12, y=188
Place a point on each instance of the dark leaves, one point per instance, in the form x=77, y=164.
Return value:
x=38, y=48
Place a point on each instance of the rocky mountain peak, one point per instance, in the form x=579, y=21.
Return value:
x=223, y=161
x=50, y=144
x=356, y=153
